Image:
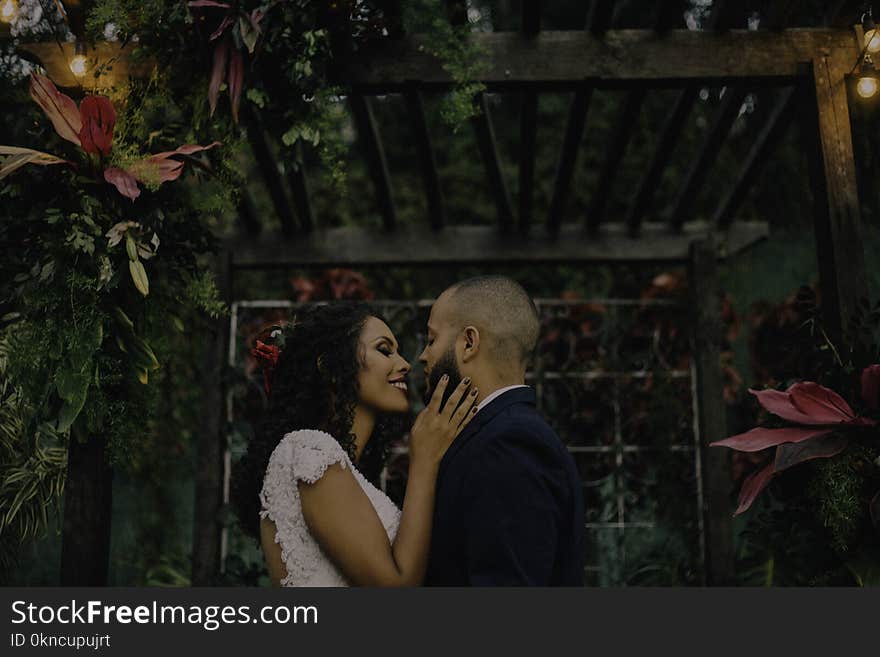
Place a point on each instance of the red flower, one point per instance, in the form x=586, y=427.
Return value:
x=819, y=412
x=267, y=358
x=98, y=121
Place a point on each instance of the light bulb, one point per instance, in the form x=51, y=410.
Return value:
x=867, y=87
x=78, y=65
x=8, y=10
x=872, y=40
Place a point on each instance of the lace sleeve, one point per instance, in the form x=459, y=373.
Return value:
x=300, y=456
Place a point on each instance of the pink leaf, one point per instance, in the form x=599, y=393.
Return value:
x=821, y=403
x=761, y=438
x=225, y=23
x=871, y=386
x=221, y=50
x=236, y=80
x=752, y=487
x=17, y=157
x=790, y=454
x=99, y=119
x=209, y=3
x=123, y=181
x=160, y=168
x=60, y=108
x=808, y=409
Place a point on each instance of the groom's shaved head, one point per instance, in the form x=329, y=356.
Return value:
x=502, y=311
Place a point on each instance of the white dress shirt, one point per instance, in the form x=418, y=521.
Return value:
x=497, y=393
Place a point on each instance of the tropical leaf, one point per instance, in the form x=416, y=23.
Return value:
x=139, y=276
x=18, y=157
x=60, y=108
x=236, y=81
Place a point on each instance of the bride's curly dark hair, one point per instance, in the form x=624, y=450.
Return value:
x=314, y=386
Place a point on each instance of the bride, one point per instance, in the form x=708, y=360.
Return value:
x=337, y=388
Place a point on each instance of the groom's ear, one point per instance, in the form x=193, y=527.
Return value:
x=471, y=343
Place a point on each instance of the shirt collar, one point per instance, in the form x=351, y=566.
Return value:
x=496, y=394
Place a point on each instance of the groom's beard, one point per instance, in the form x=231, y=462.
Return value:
x=445, y=365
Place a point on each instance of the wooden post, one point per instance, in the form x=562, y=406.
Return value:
x=88, y=501
x=838, y=221
x=710, y=412
x=211, y=440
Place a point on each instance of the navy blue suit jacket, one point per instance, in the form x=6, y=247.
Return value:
x=509, y=505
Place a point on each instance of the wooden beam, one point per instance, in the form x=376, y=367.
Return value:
x=726, y=114
x=210, y=441
x=247, y=214
x=562, y=60
x=375, y=155
x=299, y=190
x=839, y=245
x=271, y=176
x=574, y=130
x=665, y=145
x=711, y=414
x=772, y=131
x=417, y=245
x=628, y=116
x=434, y=196
x=485, y=135
x=88, y=503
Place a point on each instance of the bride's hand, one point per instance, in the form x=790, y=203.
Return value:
x=435, y=429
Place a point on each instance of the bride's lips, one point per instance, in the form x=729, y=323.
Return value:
x=399, y=383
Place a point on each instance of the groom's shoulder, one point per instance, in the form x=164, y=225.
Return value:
x=521, y=426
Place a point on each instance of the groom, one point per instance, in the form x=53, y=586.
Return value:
x=509, y=506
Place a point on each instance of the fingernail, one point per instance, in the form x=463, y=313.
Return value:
x=474, y=409
x=445, y=377
x=466, y=380
x=474, y=392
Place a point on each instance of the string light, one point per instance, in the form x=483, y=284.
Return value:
x=872, y=36
x=78, y=63
x=8, y=10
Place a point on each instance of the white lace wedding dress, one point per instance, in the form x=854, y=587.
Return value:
x=305, y=455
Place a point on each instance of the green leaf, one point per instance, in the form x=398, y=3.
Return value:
x=123, y=319
x=131, y=247
x=139, y=276
x=69, y=413
x=72, y=384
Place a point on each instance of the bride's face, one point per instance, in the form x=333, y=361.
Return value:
x=382, y=378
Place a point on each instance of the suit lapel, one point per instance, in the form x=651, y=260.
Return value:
x=483, y=417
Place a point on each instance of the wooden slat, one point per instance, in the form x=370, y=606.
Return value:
x=665, y=145
x=600, y=16
x=771, y=132
x=727, y=15
x=433, y=194
x=299, y=190
x=778, y=14
x=418, y=245
x=485, y=135
x=247, y=215
x=628, y=117
x=839, y=246
x=271, y=177
x=374, y=152
x=707, y=153
x=574, y=130
x=670, y=15
x=211, y=439
x=561, y=60
x=528, y=127
x=711, y=414
x=531, y=17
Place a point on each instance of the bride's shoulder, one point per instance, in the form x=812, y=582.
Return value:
x=308, y=452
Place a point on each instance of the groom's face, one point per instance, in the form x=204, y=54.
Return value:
x=438, y=356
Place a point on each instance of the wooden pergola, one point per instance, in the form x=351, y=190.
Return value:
x=803, y=72
x=795, y=68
